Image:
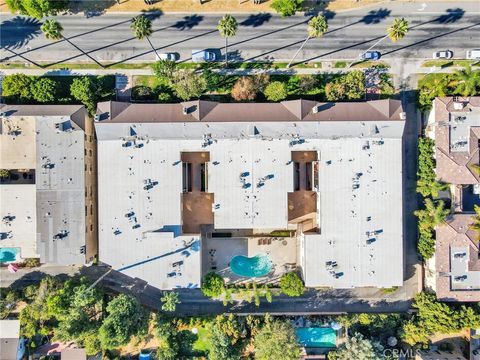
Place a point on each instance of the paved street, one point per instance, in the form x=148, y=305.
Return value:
x=107, y=38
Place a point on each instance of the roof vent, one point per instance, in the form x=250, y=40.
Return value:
x=457, y=105
x=97, y=118
x=185, y=110
x=403, y=115
x=315, y=109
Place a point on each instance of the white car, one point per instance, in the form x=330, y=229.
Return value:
x=444, y=54
x=167, y=56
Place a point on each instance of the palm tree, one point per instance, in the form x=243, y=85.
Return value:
x=52, y=29
x=142, y=29
x=466, y=81
x=317, y=26
x=169, y=301
x=426, y=188
x=434, y=214
x=395, y=32
x=398, y=29
x=227, y=26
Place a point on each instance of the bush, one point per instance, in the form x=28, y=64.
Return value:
x=43, y=90
x=213, y=285
x=287, y=7
x=38, y=8
x=244, y=89
x=4, y=173
x=276, y=91
x=188, y=85
x=16, y=88
x=291, y=284
x=350, y=86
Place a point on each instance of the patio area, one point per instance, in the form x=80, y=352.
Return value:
x=218, y=253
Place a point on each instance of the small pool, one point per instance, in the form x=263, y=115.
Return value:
x=317, y=337
x=257, y=266
x=8, y=255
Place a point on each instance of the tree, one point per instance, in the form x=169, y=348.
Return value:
x=358, y=348
x=227, y=26
x=354, y=85
x=126, y=318
x=287, y=7
x=334, y=91
x=466, y=82
x=52, y=29
x=317, y=26
x=426, y=243
x=426, y=166
x=170, y=301
x=222, y=347
x=435, y=317
x=16, y=88
x=213, y=285
x=398, y=29
x=168, y=338
x=476, y=220
x=36, y=8
x=4, y=173
x=244, y=89
x=142, y=29
x=188, y=84
x=276, y=91
x=433, y=215
x=164, y=70
x=43, y=90
x=8, y=302
x=86, y=90
x=291, y=284
x=276, y=340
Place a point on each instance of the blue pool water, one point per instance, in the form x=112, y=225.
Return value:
x=317, y=337
x=257, y=266
x=8, y=254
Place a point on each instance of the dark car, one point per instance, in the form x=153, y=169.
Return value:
x=371, y=55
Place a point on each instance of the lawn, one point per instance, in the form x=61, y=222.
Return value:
x=448, y=63
x=202, y=344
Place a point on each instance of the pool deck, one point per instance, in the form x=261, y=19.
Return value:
x=219, y=252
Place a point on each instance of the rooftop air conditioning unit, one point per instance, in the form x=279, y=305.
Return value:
x=457, y=105
x=403, y=115
x=185, y=111
x=97, y=118
x=316, y=109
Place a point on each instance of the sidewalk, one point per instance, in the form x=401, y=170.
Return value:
x=413, y=68
x=203, y=6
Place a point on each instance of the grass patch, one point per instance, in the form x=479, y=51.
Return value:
x=202, y=344
x=389, y=290
x=368, y=64
x=448, y=63
x=340, y=64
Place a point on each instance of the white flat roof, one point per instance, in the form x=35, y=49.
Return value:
x=18, y=203
x=347, y=213
x=9, y=329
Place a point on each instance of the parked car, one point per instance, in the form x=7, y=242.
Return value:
x=168, y=56
x=203, y=55
x=473, y=54
x=444, y=54
x=371, y=55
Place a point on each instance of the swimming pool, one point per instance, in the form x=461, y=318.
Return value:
x=257, y=266
x=9, y=254
x=317, y=337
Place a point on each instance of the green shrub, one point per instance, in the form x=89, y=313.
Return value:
x=276, y=91
x=287, y=7
x=291, y=284
x=43, y=90
x=213, y=285
x=16, y=88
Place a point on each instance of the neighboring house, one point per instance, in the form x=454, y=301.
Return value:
x=47, y=206
x=184, y=188
x=11, y=348
x=454, y=124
